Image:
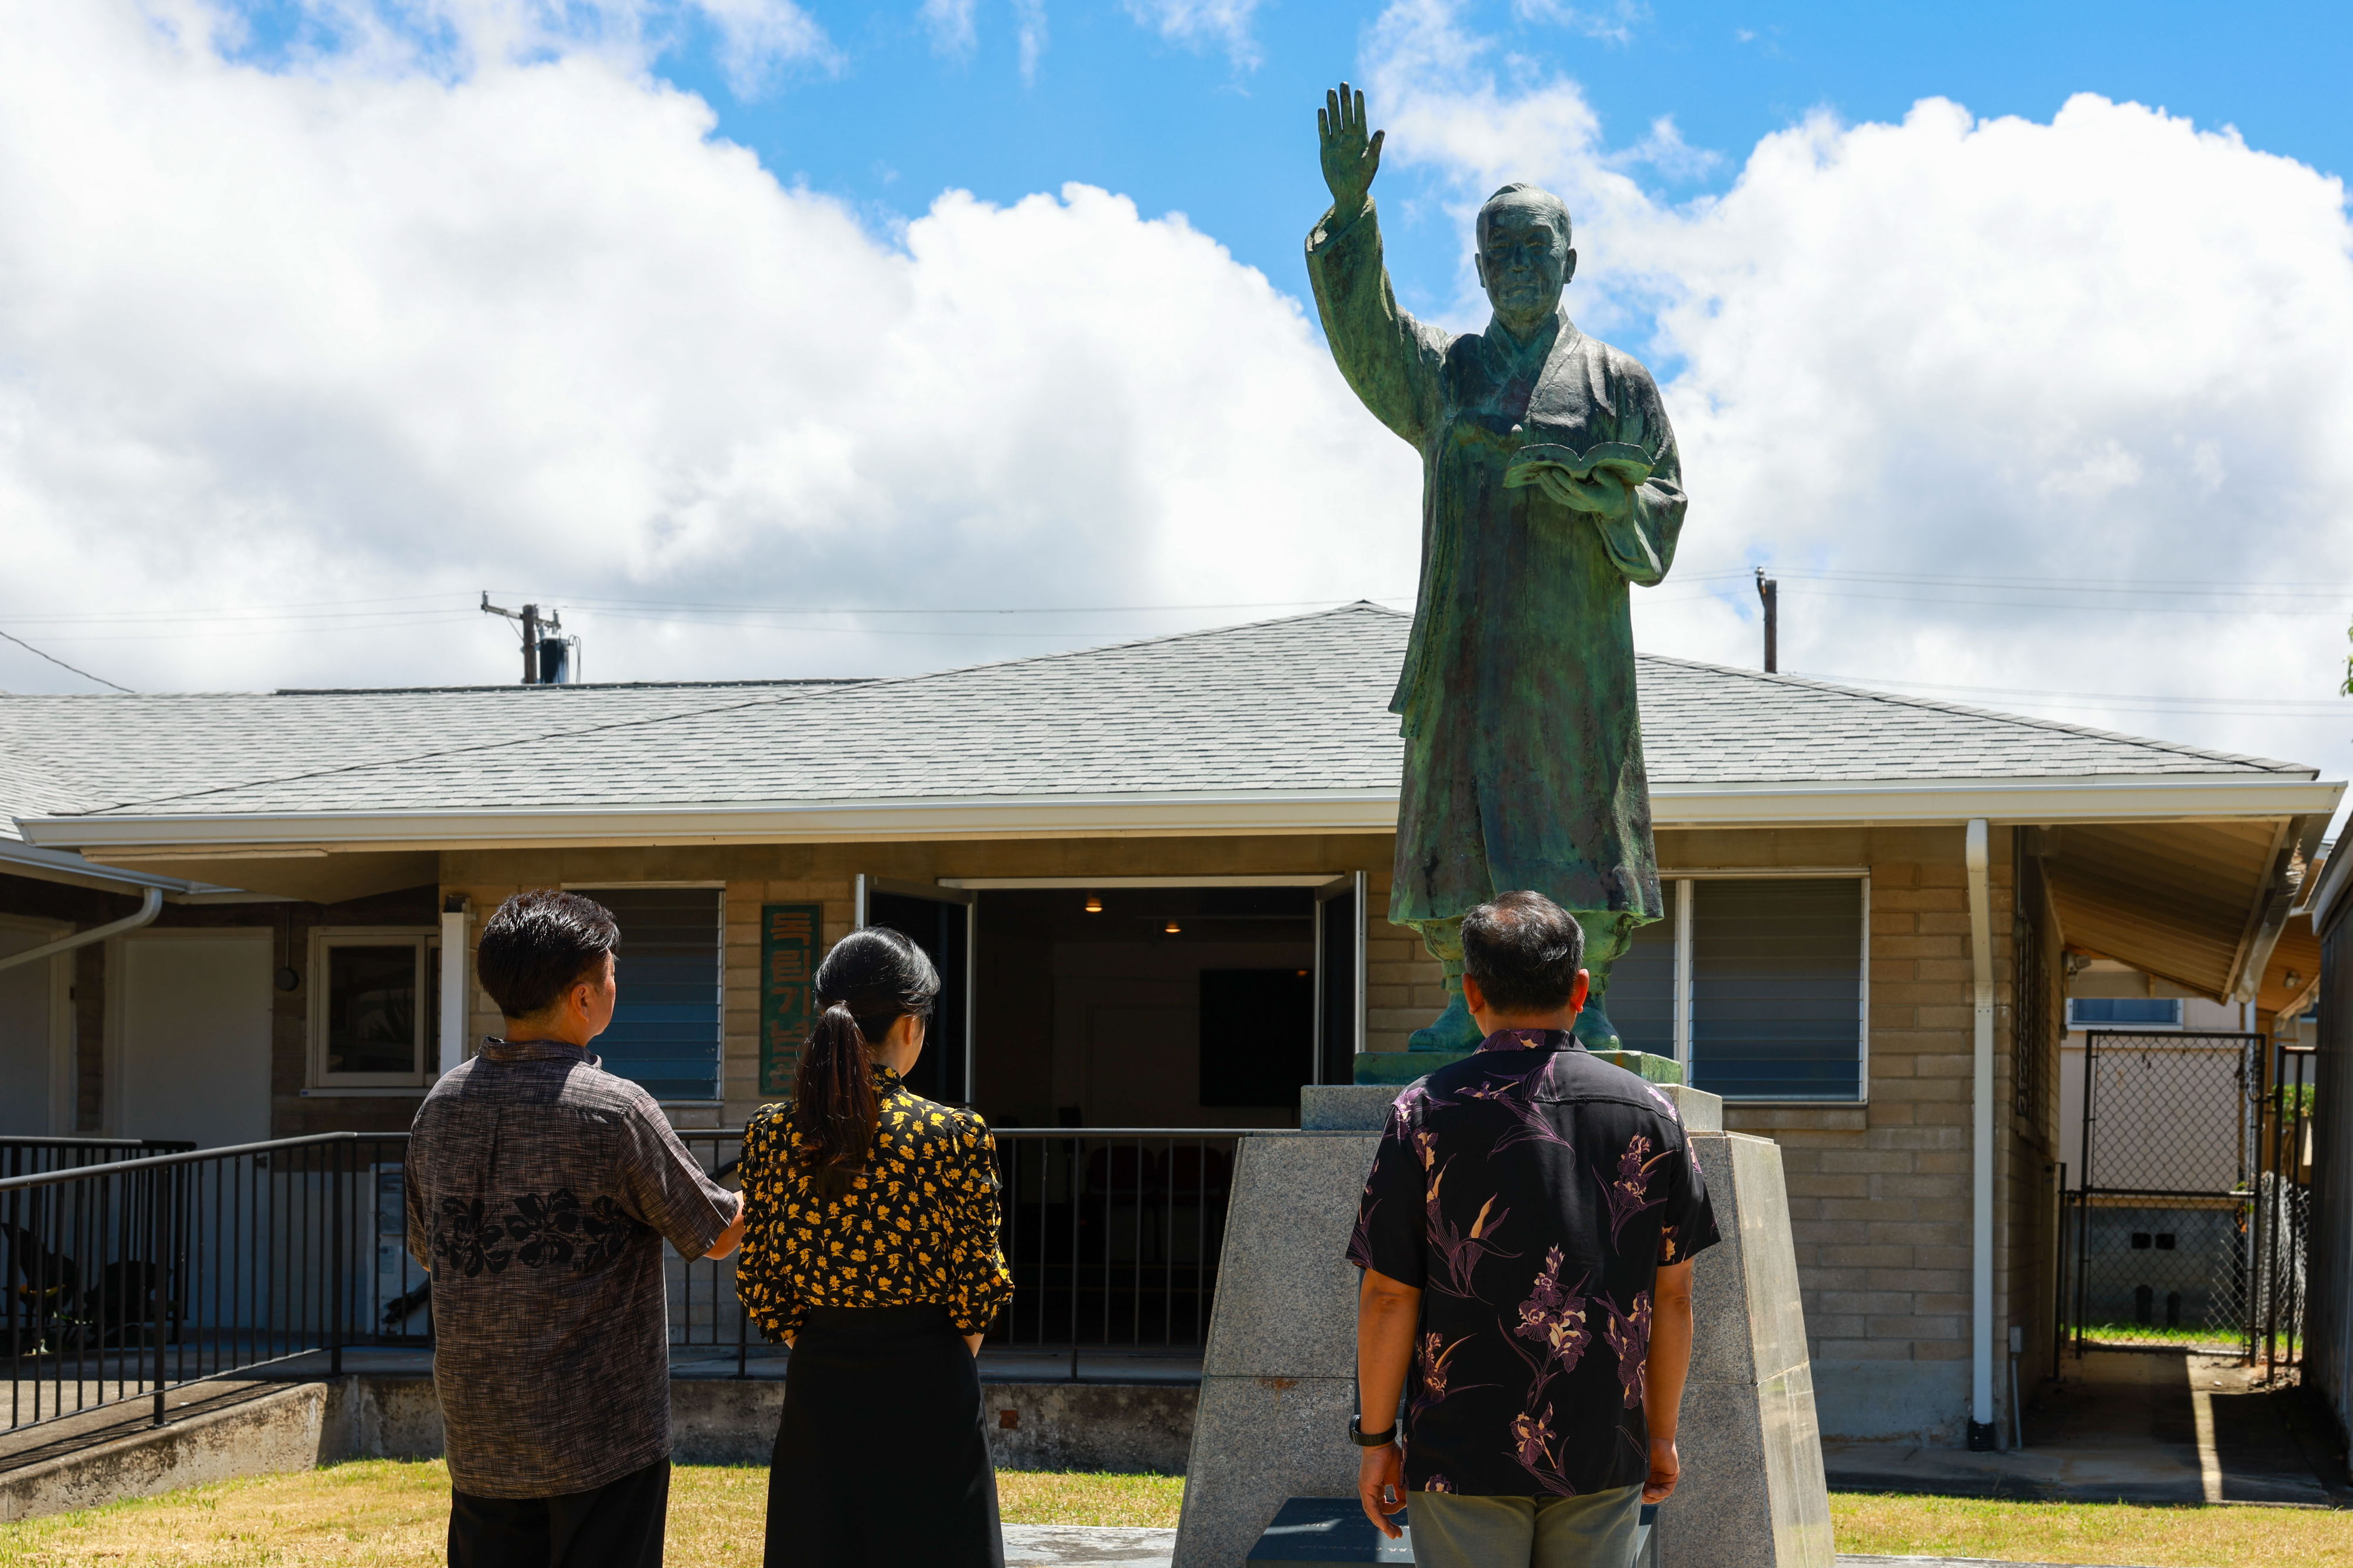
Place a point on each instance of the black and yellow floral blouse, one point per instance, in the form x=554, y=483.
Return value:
x=920, y=1224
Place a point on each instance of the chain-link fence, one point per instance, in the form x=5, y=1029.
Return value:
x=2163, y=1231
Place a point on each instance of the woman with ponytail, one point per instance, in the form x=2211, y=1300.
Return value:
x=870, y=1249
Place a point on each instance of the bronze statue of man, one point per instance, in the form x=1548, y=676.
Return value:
x=1549, y=482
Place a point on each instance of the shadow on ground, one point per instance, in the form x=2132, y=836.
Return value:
x=2151, y=1426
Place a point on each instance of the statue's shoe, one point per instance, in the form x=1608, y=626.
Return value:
x=1453, y=1030
x=1594, y=1030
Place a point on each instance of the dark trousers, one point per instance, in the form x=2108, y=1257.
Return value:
x=616, y=1525
x=881, y=1459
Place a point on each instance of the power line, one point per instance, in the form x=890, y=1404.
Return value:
x=61, y=664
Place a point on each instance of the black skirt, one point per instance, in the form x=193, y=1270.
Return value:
x=880, y=1460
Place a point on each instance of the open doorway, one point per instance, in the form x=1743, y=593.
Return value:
x=1151, y=1007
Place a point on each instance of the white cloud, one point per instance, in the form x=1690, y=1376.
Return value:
x=2105, y=347
x=1199, y=23
x=425, y=312
x=357, y=333
x=950, y=24
x=758, y=37
x=1029, y=33
x=1614, y=23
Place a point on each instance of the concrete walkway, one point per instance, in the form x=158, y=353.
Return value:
x=2132, y=1427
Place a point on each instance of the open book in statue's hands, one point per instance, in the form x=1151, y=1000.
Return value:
x=1621, y=459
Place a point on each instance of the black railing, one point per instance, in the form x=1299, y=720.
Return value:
x=1112, y=1237
x=31, y=1156
x=126, y=1278
x=704, y=1308
x=131, y=1277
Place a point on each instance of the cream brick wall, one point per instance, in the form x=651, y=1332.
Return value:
x=1879, y=1192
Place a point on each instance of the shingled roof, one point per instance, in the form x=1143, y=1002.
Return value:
x=1288, y=705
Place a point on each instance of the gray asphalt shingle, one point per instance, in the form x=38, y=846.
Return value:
x=1276, y=706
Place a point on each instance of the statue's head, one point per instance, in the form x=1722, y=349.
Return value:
x=1524, y=258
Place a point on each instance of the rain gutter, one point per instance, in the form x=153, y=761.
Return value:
x=151, y=904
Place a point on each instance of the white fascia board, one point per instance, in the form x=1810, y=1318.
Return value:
x=2174, y=797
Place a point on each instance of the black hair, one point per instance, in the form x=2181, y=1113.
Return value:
x=1524, y=951
x=538, y=946
x=870, y=980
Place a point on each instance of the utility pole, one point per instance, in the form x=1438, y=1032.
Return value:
x=536, y=662
x=1770, y=591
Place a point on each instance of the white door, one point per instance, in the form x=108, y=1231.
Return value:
x=28, y=1015
x=189, y=1016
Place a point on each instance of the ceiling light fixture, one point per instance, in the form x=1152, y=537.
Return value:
x=1094, y=905
x=1173, y=929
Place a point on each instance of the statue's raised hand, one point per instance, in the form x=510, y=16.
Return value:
x=1350, y=158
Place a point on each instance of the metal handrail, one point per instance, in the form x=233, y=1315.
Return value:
x=80, y=1141
x=187, y=1156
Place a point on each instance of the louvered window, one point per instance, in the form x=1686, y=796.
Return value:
x=666, y=1030
x=1777, y=989
x=1642, y=997
x=1769, y=973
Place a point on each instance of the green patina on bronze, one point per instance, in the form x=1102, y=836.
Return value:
x=1550, y=484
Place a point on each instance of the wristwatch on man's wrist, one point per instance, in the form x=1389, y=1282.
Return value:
x=1363, y=1439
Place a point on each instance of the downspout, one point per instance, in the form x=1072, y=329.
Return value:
x=1981, y=1429
x=150, y=905
x=452, y=1000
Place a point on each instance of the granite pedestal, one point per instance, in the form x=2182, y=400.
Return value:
x=1279, y=1379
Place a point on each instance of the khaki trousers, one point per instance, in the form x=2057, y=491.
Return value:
x=1592, y=1531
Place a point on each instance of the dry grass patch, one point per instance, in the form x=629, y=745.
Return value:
x=2133, y=1533
x=1088, y=1497
x=386, y=1513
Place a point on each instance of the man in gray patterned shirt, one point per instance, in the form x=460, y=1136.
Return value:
x=540, y=1191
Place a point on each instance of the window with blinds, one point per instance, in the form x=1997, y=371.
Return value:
x=1777, y=988
x=1776, y=994
x=1642, y=997
x=666, y=1030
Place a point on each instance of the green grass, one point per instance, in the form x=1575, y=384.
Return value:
x=2133, y=1335
x=390, y=1514
x=2157, y=1537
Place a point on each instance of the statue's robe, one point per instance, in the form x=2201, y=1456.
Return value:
x=1524, y=746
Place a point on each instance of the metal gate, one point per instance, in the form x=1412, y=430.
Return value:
x=2162, y=1230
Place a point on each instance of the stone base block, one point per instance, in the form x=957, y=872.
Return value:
x=1279, y=1381
x=1753, y=1493
x=1257, y=1443
x=1643, y=1065
x=1401, y=1068
x=1348, y=1107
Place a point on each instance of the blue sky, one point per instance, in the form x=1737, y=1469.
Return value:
x=325, y=316
x=1221, y=127
x=1187, y=128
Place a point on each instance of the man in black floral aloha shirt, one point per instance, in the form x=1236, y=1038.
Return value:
x=1526, y=1237
x=539, y=1189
